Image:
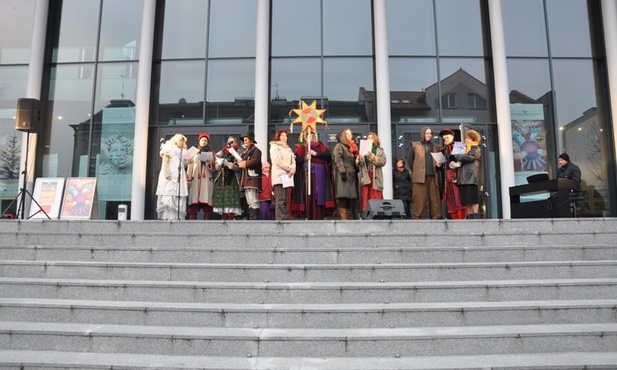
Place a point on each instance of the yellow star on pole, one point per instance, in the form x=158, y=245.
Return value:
x=309, y=116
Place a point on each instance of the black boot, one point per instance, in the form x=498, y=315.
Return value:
x=253, y=214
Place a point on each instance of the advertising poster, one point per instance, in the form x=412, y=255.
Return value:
x=79, y=198
x=48, y=195
x=528, y=140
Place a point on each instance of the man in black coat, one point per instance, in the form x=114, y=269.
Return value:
x=570, y=171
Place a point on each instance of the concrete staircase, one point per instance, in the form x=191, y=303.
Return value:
x=475, y=294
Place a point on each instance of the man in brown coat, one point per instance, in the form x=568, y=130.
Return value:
x=424, y=176
x=251, y=174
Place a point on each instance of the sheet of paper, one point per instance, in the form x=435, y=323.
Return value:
x=287, y=181
x=365, y=146
x=439, y=157
x=205, y=156
x=190, y=153
x=235, y=154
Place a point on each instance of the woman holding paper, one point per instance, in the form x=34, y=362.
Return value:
x=345, y=173
x=370, y=164
x=226, y=197
x=172, y=189
x=283, y=170
x=467, y=176
x=201, y=179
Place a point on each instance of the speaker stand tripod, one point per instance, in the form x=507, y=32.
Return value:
x=23, y=192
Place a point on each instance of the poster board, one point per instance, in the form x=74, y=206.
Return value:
x=48, y=194
x=80, y=200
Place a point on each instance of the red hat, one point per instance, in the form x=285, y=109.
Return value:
x=203, y=134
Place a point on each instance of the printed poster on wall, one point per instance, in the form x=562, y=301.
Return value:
x=48, y=194
x=80, y=198
x=528, y=140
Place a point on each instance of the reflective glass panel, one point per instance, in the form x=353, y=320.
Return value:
x=411, y=27
x=345, y=82
x=290, y=21
x=531, y=107
x=524, y=28
x=181, y=92
x=409, y=80
x=114, y=131
x=120, y=30
x=13, y=81
x=68, y=119
x=16, y=31
x=292, y=80
x=231, y=91
x=78, y=31
x=232, y=28
x=568, y=24
x=459, y=27
x=184, y=31
x=347, y=27
x=464, y=81
x=582, y=131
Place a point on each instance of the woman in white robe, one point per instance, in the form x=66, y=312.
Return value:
x=172, y=190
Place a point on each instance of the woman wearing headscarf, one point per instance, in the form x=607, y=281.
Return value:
x=345, y=173
x=371, y=173
x=226, y=197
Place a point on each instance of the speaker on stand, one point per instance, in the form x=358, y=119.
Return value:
x=26, y=120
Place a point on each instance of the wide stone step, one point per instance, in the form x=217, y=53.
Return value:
x=35, y=360
x=303, y=234
x=315, y=292
x=312, y=255
x=311, y=272
x=368, y=342
x=308, y=315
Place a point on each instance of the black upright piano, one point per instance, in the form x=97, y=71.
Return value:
x=556, y=204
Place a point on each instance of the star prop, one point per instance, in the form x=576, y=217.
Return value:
x=309, y=116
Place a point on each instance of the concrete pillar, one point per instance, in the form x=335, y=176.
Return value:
x=142, y=112
x=262, y=77
x=609, y=18
x=502, y=103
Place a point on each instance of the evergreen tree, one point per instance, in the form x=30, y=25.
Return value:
x=9, y=159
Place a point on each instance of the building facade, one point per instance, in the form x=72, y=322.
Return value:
x=115, y=77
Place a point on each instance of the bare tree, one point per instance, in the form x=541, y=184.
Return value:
x=9, y=158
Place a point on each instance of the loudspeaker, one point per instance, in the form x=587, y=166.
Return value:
x=27, y=118
x=384, y=209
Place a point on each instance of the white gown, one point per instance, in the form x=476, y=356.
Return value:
x=172, y=194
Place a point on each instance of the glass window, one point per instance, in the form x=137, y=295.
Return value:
x=344, y=81
x=13, y=82
x=15, y=46
x=459, y=27
x=347, y=27
x=232, y=28
x=184, y=33
x=411, y=27
x=69, y=117
x=181, y=92
x=568, y=23
x=289, y=30
x=113, y=134
x=230, y=94
x=461, y=77
x=448, y=101
x=292, y=80
x=78, y=31
x=582, y=130
x=409, y=80
x=524, y=28
x=476, y=102
x=120, y=30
